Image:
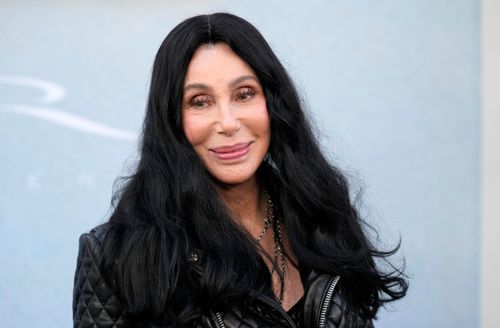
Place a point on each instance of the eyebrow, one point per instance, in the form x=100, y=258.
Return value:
x=204, y=87
x=241, y=79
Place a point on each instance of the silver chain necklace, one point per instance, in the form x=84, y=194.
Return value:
x=279, y=252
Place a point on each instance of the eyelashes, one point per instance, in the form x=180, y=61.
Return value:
x=241, y=95
x=199, y=102
x=244, y=94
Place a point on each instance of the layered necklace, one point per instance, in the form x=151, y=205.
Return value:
x=279, y=263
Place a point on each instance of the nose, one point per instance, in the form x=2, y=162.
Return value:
x=227, y=122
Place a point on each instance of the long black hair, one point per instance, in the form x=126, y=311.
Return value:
x=168, y=211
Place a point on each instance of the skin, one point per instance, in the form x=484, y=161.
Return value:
x=224, y=106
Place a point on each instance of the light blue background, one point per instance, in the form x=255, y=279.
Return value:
x=392, y=86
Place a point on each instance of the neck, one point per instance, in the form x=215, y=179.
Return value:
x=246, y=203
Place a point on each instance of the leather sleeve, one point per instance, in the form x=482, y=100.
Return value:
x=94, y=302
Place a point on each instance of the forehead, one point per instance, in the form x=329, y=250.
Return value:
x=216, y=63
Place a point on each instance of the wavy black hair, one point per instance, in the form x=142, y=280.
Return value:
x=169, y=207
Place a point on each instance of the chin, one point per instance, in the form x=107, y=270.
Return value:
x=236, y=179
x=233, y=181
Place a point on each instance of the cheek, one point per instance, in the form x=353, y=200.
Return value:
x=261, y=120
x=196, y=129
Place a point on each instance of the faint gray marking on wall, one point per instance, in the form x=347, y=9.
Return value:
x=53, y=93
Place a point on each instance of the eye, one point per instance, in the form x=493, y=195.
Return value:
x=244, y=94
x=199, y=102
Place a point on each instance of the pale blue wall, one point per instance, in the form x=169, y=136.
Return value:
x=393, y=87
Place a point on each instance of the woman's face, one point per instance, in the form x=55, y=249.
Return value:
x=224, y=114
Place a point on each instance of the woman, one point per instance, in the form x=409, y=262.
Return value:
x=233, y=217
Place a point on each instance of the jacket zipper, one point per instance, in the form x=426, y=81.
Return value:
x=328, y=297
x=220, y=322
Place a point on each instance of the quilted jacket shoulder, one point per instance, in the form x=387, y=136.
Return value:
x=94, y=302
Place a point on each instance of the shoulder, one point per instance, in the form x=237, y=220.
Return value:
x=91, y=241
x=327, y=304
x=90, y=248
x=344, y=313
x=93, y=299
x=96, y=234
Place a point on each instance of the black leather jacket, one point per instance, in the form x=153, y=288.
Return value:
x=96, y=305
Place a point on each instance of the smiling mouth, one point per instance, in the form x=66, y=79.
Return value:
x=231, y=152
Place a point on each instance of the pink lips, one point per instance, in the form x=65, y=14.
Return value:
x=231, y=152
